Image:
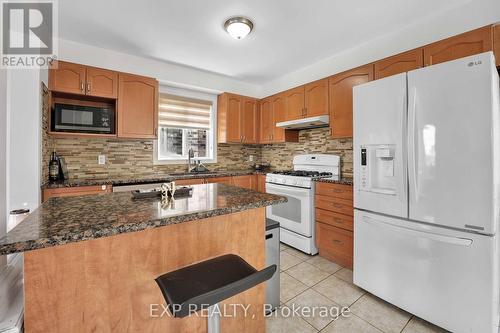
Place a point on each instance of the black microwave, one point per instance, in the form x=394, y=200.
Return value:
x=83, y=119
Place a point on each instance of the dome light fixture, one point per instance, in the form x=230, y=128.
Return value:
x=238, y=27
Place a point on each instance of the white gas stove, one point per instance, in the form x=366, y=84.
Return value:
x=296, y=217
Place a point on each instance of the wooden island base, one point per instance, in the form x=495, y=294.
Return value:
x=107, y=284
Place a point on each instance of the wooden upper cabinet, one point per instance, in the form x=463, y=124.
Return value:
x=399, y=63
x=278, y=134
x=341, y=98
x=294, y=103
x=266, y=121
x=66, y=77
x=249, y=120
x=316, y=98
x=496, y=43
x=466, y=44
x=137, y=106
x=102, y=83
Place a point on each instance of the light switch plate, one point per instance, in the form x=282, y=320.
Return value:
x=101, y=159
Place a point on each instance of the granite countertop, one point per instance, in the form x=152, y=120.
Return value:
x=341, y=181
x=65, y=220
x=150, y=179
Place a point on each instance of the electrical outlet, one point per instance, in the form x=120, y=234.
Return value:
x=101, y=159
x=250, y=158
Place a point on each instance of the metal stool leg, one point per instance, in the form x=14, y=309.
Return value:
x=213, y=321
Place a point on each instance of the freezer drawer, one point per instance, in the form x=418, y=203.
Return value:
x=447, y=277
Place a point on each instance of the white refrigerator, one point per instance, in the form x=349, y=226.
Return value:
x=426, y=180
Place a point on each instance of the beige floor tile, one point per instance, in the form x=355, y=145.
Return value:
x=344, y=274
x=350, y=324
x=307, y=273
x=299, y=254
x=283, y=247
x=339, y=291
x=324, y=264
x=287, y=260
x=417, y=325
x=290, y=287
x=319, y=311
x=278, y=323
x=380, y=314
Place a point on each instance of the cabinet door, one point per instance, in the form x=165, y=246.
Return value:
x=102, y=83
x=341, y=99
x=466, y=44
x=137, y=106
x=249, y=120
x=400, y=63
x=294, y=103
x=67, y=78
x=234, y=109
x=266, y=121
x=496, y=43
x=316, y=98
x=243, y=181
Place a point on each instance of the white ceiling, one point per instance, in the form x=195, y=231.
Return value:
x=288, y=34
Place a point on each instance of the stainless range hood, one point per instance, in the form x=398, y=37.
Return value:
x=304, y=123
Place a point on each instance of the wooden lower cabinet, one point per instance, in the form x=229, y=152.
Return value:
x=261, y=183
x=184, y=182
x=496, y=43
x=456, y=47
x=248, y=181
x=220, y=180
x=75, y=191
x=334, y=222
x=335, y=244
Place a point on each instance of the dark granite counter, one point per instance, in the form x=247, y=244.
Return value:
x=342, y=181
x=151, y=179
x=65, y=220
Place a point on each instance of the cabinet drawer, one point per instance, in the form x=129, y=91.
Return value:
x=335, y=244
x=337, y=205
x=334, y=219
x=75, y=191
x=196, y=181
x=334, y=190
x=223, y=180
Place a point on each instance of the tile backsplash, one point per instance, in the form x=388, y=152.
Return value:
x=126, y=158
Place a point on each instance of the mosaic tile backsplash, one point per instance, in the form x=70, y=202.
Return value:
x=126, y=158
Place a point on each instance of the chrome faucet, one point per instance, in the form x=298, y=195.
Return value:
x=190, y=156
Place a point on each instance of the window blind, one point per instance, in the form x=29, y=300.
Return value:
x=181, y=112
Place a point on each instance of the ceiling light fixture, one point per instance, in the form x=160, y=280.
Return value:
x=238, y=27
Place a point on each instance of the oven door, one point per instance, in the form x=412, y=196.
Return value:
x=295, y=215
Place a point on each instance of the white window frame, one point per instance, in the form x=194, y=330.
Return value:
x=187, y=93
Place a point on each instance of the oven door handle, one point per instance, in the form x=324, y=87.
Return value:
x=281, y=189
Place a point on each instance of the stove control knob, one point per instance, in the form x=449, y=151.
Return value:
x=298, y=183
x=283, y=181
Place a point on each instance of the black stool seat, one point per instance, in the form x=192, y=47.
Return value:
x=204, y=284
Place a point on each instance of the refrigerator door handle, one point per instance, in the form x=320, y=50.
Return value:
x=412, y=142
x=422, y=234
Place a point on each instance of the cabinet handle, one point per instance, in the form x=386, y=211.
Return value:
x=82, y=86
x=336, y=205
x=336, y=190
x=337, y=241
x=88, y=87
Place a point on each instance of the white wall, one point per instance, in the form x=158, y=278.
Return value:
x=473, y=14
x=24, y=139
x=3, y=159
x=166, y=73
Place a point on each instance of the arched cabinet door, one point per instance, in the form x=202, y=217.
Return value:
x=456, y=47
x=66, y=77
x=400, y=63
x=137, y=107
x=341, y=99
x=102, y=83
x=316, y=98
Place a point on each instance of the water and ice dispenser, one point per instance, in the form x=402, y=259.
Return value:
x=377, y=169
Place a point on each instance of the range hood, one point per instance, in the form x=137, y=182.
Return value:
x=311, y=122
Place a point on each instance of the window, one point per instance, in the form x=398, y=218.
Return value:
x=186, y=119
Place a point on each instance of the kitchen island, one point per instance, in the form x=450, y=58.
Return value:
x=90, y=261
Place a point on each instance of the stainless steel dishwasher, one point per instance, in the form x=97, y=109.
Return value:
x=273, y=258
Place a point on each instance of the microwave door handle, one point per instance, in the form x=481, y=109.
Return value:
x=287, y=189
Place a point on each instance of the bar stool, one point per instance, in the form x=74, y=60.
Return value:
x=205, y=284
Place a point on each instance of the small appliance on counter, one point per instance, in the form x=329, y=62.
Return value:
x=262, y=166
x=57, y=168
